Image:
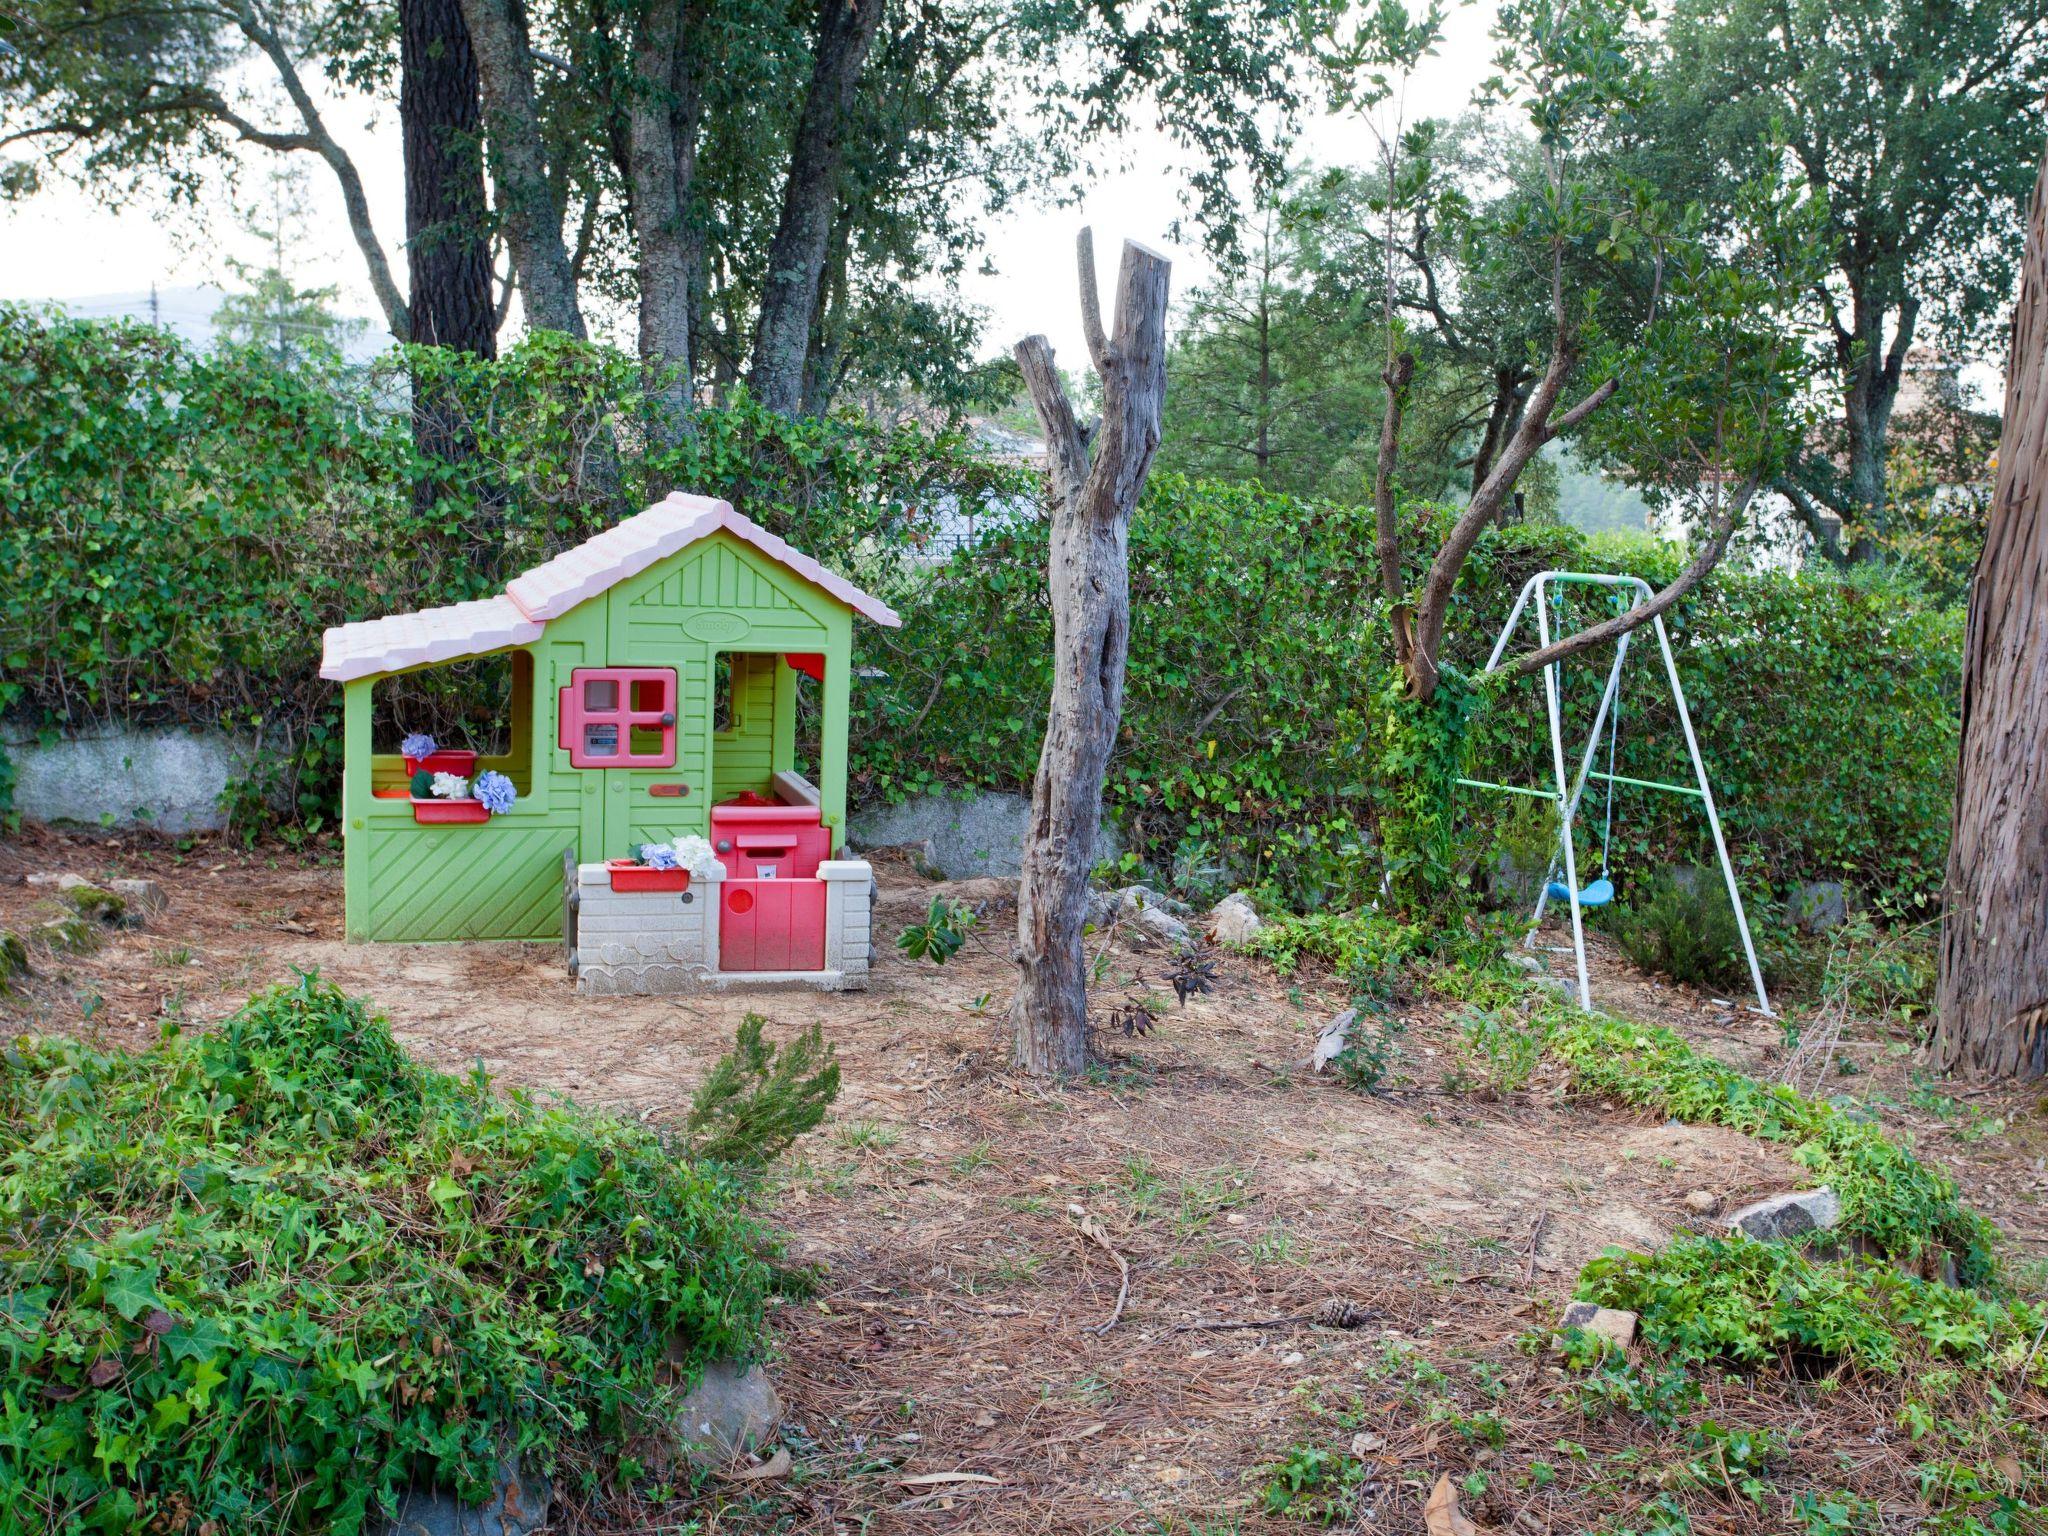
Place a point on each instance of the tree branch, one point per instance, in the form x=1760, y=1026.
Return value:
x=397, y=318
x=1091, y=302
x=1066, y=449
x=1708, y=557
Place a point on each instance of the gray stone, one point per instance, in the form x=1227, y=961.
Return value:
x=518, y=1507
x=1702, y=1202
x=1610, y=1323
x=165, y=778
x=1234, y=920
x=1818, y=905
x=1527, y=963
x=1789, y=1216
x=728, y=1413
x=1143, y=915
x=961, y=837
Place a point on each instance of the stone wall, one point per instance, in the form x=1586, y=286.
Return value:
x=162, y=777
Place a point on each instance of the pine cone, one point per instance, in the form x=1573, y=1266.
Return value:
x=1339, y=1313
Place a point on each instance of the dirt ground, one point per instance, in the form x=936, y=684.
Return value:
x=962, y=1364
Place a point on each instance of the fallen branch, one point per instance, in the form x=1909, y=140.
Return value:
x=1092, y=1230
x=1334, y=1313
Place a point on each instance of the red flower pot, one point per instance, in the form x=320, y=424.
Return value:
x=447, y=760
x=448, y=812
x=628, y=875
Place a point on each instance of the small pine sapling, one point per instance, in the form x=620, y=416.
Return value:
x=759, y=1100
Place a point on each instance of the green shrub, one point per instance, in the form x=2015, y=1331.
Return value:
x=758, y=1100
x=1681, y=928
x=1889, y=1197
x=1704, y=1299
x=267, y=1278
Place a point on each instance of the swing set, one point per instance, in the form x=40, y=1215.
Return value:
x=1543, y=592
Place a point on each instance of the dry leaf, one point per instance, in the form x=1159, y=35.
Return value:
x=1441, y=1514
x=775, y=1466
x=933, y=1479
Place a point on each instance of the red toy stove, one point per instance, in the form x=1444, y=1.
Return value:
x=771, y=902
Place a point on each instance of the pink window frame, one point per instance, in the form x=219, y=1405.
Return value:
x=575, y=715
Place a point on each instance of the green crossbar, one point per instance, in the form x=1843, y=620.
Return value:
x=1512, y=789
x=1676, y=789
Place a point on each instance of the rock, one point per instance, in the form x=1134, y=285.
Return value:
x=1610, y=1323
x=144, y=897
x=67, y=935
x=1527, y=963
x=1234, y=920
x=102, y=906
x=960, y=837
x=1143, y=914
x=73, y=883
x=729, y=1412
x=1818, y=905
x=518, y=1507
x=1364, y=1443
x=1788, y=1216
x=1702, y=1202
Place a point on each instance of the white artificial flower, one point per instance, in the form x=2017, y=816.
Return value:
x=448, y=786
x=695, y=854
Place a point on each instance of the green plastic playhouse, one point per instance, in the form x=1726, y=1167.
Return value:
x=655, y=672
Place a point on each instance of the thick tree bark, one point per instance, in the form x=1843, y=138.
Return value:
x=527, y=201
x=440, y=118
x=1088, y=579
x=662, y=130
x=796, y=257
x=1993, y=994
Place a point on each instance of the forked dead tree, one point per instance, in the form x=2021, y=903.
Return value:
x=1094, y=487
x=1993, y=998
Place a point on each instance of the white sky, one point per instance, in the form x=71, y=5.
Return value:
x=62, y=245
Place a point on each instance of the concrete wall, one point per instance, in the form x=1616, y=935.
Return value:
x=162, y=777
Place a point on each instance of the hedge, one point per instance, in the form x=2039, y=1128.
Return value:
x=178, y=528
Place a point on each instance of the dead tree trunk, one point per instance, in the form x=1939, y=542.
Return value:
x=1088, y=579
x=1993, y=996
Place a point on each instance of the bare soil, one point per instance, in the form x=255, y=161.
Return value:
x=970, y=1230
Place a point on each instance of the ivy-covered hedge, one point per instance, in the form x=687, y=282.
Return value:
x=176, y=529
x=1826, y=708
x=266, y=1278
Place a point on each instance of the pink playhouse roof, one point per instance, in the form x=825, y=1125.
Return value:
x=521, y=612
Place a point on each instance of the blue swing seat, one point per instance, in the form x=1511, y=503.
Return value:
x=1598, y=894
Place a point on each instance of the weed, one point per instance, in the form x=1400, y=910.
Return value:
x=172, y=956
x=867, y=1136
x=977, y=1157
x=1507, y=1047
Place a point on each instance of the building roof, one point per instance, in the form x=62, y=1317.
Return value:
x=519, y=614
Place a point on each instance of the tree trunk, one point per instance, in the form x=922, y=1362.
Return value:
x=1993, y=995
x=796, y=257
x=1088, y=580
x=663, y=120
x=447, y=246
x=527, y=200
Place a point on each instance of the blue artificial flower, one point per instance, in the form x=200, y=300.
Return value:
x=658, y=856
x=418, y=744
x=495, y=792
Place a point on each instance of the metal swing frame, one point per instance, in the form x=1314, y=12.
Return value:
x=1568, y=793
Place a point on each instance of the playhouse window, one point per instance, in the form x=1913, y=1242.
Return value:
x=620, y=717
